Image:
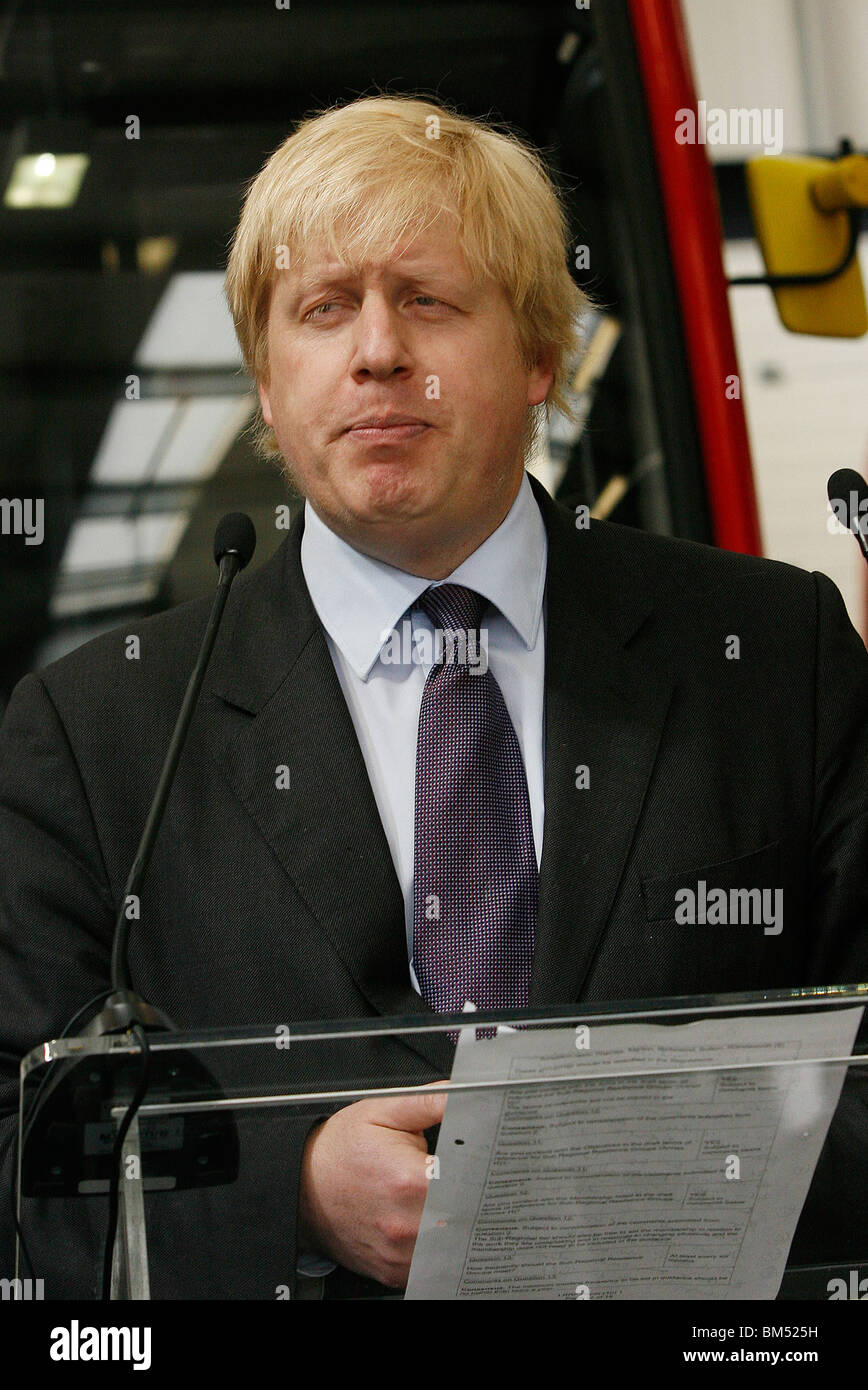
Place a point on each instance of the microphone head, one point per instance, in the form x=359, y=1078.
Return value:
x=235, y=534
x=848, y=494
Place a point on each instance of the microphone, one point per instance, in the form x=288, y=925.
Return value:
x=234, y=544
x=848, y=496
x=235, y=536
x=81, y=1091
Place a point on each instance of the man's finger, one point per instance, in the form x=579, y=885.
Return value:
x=414, y=1113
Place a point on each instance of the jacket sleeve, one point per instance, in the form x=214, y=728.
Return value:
x=835, y=1216
x=57, y=919
x=839, y=838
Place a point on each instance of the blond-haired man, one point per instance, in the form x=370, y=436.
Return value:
x=511, y=834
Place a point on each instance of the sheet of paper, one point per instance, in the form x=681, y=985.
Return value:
x=670, y=1186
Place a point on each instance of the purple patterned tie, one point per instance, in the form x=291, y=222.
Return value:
x=476, y=883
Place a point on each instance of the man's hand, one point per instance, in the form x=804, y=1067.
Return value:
x=363, y=1184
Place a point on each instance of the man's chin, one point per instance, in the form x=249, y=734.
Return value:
x=388, y=495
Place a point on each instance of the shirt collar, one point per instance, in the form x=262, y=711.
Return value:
x=360, y=599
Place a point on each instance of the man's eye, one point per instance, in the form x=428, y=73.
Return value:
x=319, y=310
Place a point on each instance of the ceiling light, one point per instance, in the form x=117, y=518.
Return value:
x=46, y=163
x=206, y=428
x=107, y=542
x=132, y=437
x=67, y=603
x=191, y=326
x=154, y=254
x=45, y=180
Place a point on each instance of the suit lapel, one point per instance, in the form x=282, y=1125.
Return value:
x=605, y=708
x=273, y=663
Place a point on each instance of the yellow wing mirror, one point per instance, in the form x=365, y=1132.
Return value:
x=806, y=215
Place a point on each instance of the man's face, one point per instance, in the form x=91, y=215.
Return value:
x=411, y=339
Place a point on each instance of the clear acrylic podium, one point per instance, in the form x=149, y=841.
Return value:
x=601, y=1137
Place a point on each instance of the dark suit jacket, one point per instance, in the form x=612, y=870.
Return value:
x=266, y=905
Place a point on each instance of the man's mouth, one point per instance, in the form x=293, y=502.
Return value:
x=386, y=429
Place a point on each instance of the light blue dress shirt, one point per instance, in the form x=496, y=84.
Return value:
x=361, y=600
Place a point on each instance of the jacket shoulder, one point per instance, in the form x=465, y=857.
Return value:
x=675, y=558
x=161, y=658
x=161, y=646
x=674, y=568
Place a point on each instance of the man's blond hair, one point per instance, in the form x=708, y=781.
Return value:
x=362, y=176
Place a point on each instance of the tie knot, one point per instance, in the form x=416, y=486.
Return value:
x=452, y=606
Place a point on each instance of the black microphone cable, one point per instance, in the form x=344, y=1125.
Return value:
x=26, y=1129
x=141, y=1037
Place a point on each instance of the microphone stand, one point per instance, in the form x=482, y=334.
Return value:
x=124, y=1006
x=125, y=1269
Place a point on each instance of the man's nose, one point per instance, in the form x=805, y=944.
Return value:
x=380, y=346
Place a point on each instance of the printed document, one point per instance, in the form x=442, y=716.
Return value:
x=645, y=1161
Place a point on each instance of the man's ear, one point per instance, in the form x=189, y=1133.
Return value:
x=265, y=403
x=541, y=377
